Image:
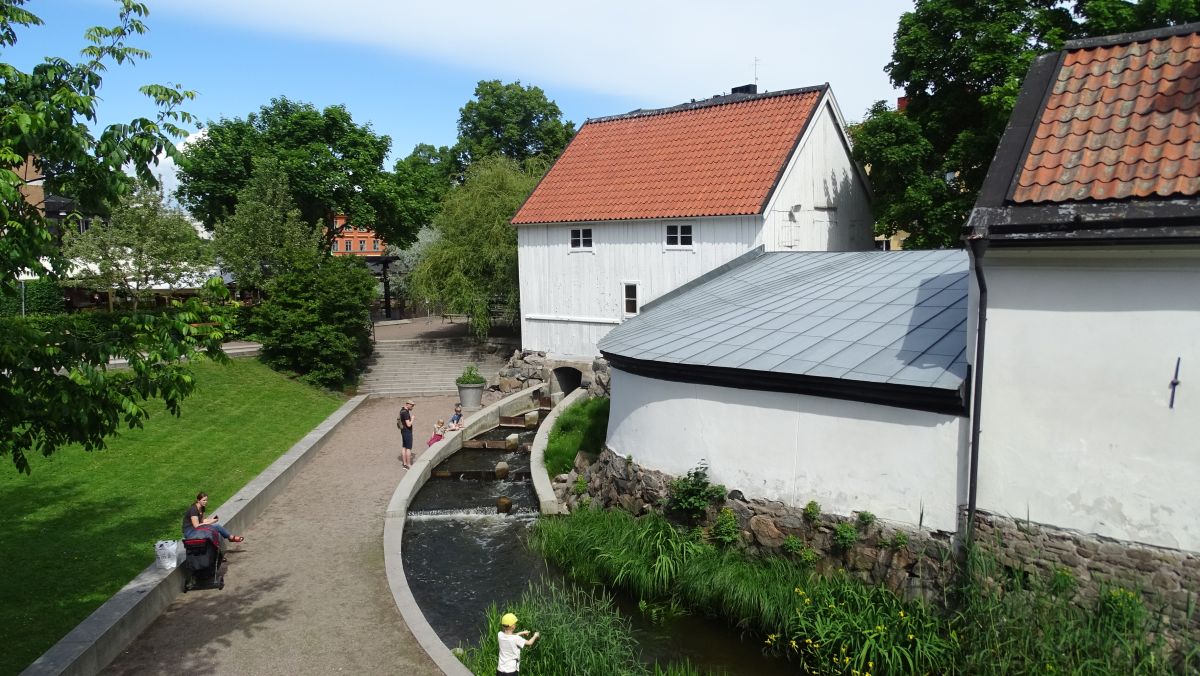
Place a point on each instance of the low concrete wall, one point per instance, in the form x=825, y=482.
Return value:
x=547, y=501
x=397, y=511
x=96, y=641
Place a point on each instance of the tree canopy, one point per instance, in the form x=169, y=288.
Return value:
x=144, y=244
x=512, y=120
x=266, y=232
x=961, y=65
x=57, y=388
x=333, y=166
x=472, y=267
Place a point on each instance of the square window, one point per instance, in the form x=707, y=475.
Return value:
x=631, y=299
x=679, y=235
x=581, y=238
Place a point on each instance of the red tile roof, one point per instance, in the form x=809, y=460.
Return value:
x=1122, y=120
x=717, y=158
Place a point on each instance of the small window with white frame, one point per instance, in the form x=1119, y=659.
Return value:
x=581, y=239
x=631, y=298
x=679, y=236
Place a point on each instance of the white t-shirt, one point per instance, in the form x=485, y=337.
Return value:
x=510, y=652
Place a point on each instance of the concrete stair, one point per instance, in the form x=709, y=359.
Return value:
x=426, y=367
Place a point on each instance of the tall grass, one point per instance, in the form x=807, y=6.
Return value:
x=1002, y=623
x=581, y=633
x=581, y=427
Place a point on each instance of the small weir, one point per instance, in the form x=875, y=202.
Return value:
x=460, y=555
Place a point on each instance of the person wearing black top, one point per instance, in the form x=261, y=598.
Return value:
x=194, y=521
x=405, y=422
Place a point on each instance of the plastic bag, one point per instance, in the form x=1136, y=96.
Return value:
x=166, y=553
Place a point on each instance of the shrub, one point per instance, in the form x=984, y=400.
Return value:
x=812, y=511
x=899, y=540
x=315, y=320
x=582, y=427
x=692, y=494
x=725, y=530
x=471, y=376
x=844, y=536
x=793, y=544
x=581, y=485
x=865, y=519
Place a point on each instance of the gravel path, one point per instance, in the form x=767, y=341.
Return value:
x=306, y=592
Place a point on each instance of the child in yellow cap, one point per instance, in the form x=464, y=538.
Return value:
x=511, y=642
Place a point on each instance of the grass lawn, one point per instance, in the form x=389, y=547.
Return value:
x=579, y=428
x=84, y=524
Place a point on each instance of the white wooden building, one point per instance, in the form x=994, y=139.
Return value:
x=1086, y=237
x=642, y=203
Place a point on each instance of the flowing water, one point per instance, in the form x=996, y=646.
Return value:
x=460, y=556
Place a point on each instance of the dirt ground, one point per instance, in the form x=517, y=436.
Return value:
x=306, y=592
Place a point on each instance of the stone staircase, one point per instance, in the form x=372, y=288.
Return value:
x=427, y=367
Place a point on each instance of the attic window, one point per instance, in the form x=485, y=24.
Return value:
x=679, y=236
x=581, y=238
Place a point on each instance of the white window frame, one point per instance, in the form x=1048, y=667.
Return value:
x=637, y=298
x=581, y=237
x=679, y=235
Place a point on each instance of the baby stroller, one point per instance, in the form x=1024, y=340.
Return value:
x=204, y=567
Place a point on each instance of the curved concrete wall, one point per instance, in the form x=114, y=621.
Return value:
x=547, y=501
x=397, y=511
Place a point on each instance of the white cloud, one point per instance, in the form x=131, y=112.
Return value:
x=659, y=52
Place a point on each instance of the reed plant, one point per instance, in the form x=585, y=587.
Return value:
x=581, y=633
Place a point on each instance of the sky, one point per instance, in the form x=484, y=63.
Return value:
x=407, y=67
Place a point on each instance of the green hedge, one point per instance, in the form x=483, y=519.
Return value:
x=42, y=296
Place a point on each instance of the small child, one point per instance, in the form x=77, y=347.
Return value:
x=439, y=431
x=456, y=420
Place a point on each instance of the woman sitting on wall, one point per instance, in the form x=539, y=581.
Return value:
x=195, y=525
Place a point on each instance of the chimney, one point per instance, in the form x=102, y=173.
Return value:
x=902, y=103
x=745, y=89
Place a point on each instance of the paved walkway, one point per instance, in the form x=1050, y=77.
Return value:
x=306, y=592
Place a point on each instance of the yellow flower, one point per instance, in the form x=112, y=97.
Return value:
x=807, y=602
x=794, y=646
x=871, y=665
x=808, y=641
x=901, y=613
x=845, y=660
x=910, y=637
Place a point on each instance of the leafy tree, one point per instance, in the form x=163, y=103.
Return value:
x=144, y=243
x=961, y=65
x=472, y=270
x=333, y=165
x=56, y=388
x=407, y=260
x=512, y=120
x=266, y=232
x=316, y=319
x=422, y=180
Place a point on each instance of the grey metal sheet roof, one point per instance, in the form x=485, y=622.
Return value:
x=875, y=316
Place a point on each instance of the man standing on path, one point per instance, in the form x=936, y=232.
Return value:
x=405, y=422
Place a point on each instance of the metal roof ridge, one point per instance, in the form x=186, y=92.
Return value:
x=719, y=100
x=1128, y=38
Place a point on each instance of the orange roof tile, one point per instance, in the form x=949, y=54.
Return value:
x=1122, y=120
x=715, y=158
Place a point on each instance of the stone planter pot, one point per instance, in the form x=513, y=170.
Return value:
x=471, y=396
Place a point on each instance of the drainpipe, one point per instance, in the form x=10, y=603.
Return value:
x=977, y=249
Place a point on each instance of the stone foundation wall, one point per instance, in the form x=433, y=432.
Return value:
x=529, y=368
x=1168, y=579
x=916, y=562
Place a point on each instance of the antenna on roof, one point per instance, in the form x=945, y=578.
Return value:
x=756, y=71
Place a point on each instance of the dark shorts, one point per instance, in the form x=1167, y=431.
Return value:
x=506, y=673
x=406, y=438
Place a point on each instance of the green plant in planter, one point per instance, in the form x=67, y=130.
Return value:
x=844, y=536
x=471, y=376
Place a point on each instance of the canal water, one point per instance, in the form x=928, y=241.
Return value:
x=460, y=556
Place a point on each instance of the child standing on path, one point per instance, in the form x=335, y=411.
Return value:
x=511, y=644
